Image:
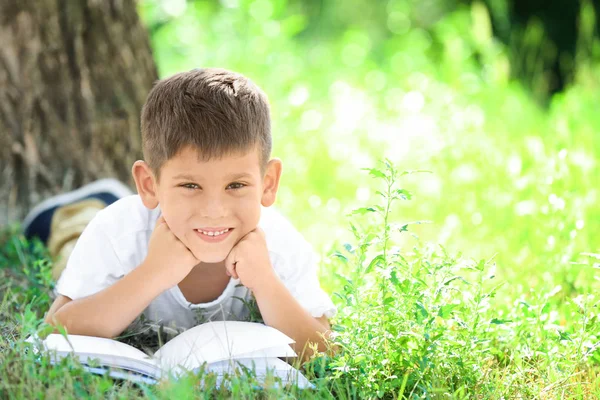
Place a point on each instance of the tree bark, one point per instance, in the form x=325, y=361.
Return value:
x=73, y=79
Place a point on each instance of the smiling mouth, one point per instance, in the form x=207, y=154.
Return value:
x=213, y=233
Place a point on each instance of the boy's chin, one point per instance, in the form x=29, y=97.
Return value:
x=212, y=257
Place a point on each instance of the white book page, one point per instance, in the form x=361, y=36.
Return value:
x=222, y=340
x=277, y=351
x=262, y=367
x=94, y=345
x=108, y=352
x=259, y=366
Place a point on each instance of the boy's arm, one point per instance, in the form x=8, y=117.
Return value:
x=56, y=305
x=108, y=312
x=282, y=311
x=249, y=260
x=325, y=322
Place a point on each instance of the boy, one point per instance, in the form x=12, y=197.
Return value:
x=198, y=239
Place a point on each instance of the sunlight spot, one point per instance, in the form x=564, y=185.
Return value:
x=583, y=160
x=431, y=186
x=535, y=145
x=410, y=134
x=476, y=218
x=526, y=207
x=514, y=165
x=554, y=291
x=341, y=151
x=413, y=101
x=272, y=29
x=310, y=120
x=333, y=205
x=551, y=241
x=521, y=183
x=398, y=22
x=350, y=106
x=393, y=99
x=174, y=8
x=458, y=120
x=314, y=201
x=573, y=233
x=188, y=34
x=261, y=9
x=451, y=223
x=556, y=201
x=475, y=116
x=579, y=224
x=465, y=173
x=295, y=163
x=363, y=159
x=230, y=3
x=418, y=81
x=545, y=209
x=562, y=154
x=363, y=194
x=298, y=96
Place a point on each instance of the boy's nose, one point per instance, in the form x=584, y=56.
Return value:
x=213, y=208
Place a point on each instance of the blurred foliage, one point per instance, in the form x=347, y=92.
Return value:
x=547, y=40
x=425, y=84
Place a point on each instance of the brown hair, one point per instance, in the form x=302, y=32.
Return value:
x=218, y=112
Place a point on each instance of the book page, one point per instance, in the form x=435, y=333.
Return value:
x=108, y=352
x=223, y=340
x=262, y=368
x=94, y=345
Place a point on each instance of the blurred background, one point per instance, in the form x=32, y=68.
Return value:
x=498, y=99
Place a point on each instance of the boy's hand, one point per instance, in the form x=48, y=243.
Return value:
x=249, y=260
x=168, y=256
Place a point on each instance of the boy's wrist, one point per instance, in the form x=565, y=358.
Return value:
x=157, y=276
x=268, y=283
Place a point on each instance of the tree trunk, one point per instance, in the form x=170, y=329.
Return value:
x=73, y=79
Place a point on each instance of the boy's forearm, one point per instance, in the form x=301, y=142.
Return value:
x=282, y=311
x=108, y=312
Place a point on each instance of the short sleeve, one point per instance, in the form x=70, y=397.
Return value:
x=92, y=266
x=302, y=281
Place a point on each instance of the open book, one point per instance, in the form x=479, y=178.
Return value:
x=222, y=345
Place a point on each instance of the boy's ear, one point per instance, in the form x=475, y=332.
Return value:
x=271, y=182
x=145, y=184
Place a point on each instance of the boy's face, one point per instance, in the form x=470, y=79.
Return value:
x=215, y=196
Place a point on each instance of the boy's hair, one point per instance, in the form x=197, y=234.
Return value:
x=217, y=112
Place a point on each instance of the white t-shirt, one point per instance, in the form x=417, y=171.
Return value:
x=116, y=241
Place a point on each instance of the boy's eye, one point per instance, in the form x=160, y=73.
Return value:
x=187, y=185
x=236, y=185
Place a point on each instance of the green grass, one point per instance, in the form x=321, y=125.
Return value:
x=495, y=297
x=418, y=324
